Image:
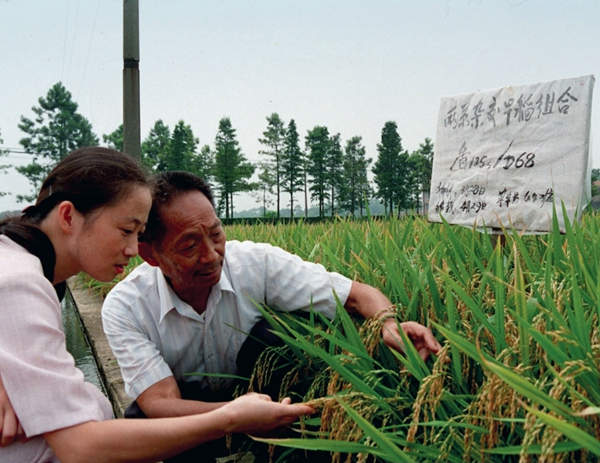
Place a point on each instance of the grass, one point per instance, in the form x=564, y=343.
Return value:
x=518, y=377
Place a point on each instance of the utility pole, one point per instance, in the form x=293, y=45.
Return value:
x=131, y=79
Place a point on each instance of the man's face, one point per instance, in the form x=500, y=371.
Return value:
x=193, y=247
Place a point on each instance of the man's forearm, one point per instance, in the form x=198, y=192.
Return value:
x=366, y=300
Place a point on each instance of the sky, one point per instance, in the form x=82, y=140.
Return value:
x=349, y=65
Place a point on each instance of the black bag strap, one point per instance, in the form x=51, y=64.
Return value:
x=37, y=243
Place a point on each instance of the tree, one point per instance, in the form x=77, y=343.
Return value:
x=391, y=170
x=335, y=161
x=114, y=140
x=595, y=178
x=155, y=148
x=273, y=139
x=355, y=191
x=182, y=149
x=266, y=184
x=292, y=164
x=232, y=170
x=57, y=130
x=420, y=166
x=317, y=148
x=203, y=164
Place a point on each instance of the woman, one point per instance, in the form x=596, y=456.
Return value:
x=87, y=218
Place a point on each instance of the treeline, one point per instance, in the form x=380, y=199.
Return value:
x=322, y=169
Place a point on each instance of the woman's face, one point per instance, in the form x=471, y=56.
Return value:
x=109, y=238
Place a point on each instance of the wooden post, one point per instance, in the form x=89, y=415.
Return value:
x=131, y=79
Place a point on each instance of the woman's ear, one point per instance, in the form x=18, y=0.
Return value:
x=67, y=216
x=147, y=253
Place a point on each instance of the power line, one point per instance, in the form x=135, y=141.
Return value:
x=6, y=149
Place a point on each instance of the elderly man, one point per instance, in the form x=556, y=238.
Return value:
x=188, y=309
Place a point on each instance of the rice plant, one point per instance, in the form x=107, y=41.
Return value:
x=517, y=380
x=518, y=377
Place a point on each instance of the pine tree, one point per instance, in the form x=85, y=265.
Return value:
x=182, y=149
x=203, y=164
x=292, y=164
x=317, y=148
x=266, y=186
x=114, y=140
x=273, y=140
x=155, y=148
x=391, y=170
x=335, y=161
x=355, y=191
x=420, y=165
x=232, y=170
x=57, y=130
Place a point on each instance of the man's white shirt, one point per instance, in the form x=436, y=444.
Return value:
x=154, y=334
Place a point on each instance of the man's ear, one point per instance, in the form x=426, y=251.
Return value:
x=66, y=216
x=147, y=253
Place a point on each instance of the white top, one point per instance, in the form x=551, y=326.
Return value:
x=154, y=334
x=46, y=389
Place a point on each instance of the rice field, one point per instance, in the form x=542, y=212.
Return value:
x=517, y=379
x=518, y=376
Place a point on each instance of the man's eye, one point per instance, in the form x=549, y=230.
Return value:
x=187, y=248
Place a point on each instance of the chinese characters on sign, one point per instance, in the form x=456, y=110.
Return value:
x=507, y=157
x=525, y=108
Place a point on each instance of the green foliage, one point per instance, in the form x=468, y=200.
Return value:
x=274, y=139
x=292, y=164
x=156, y=147
x=420, y=164
x=516, y=381
x=595, y=178
x=232, y=170
x=114, y=140
x=267, y=180
x=355, y=190
x=317, y=166
x=182, y=149
x=392, y=170
x=335, y=174
x=518, y=377
x=56, y=130
x=203, y=165
x=164, y=151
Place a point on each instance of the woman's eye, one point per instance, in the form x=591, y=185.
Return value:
x=126, y=231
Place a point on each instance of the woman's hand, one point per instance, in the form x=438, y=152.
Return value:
x=258, y=415
x=10, y=428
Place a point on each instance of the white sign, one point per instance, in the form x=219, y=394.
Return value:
x=506, y=157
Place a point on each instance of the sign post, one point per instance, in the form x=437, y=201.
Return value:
x=508, y=157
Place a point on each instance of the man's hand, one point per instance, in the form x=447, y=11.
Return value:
x=10, y=428
x=421, y=337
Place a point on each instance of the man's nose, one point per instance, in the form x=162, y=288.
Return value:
x=208, y=254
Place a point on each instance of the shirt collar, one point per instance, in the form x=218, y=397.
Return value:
x=169, y=300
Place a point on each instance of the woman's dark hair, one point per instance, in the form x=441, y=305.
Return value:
x=167, y=187
x=91, y=178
